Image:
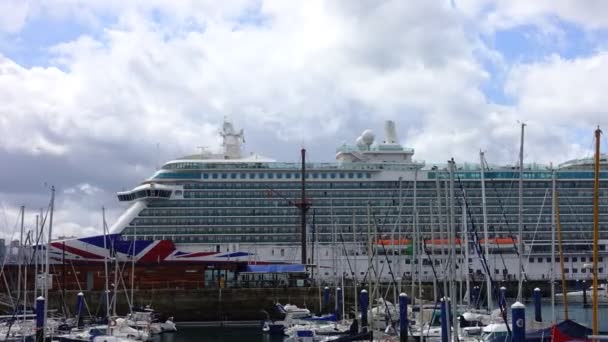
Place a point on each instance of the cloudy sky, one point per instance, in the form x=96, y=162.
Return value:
x=95, y=94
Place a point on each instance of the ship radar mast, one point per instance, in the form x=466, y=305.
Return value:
x=232, y=140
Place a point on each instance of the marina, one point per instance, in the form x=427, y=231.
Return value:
x=303, y=171
x=428, y=234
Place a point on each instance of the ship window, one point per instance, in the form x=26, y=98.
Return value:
x=282, y=252
x=540, y=260
x=359, y=175
x=251, y=175
x=288, y=175
x=368, y=175
x=341, y=175
x=333, y=175
x=324, y=175
x=261, y=175
x=279, y=175
x=270, y=175
x=351, y=175
x=205, y=175
x=243, y=176
x=315, y=175
x=531, y=260
x=233, y=175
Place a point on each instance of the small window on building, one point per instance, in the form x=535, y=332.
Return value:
x=566, y=270
x=282, y=252
x=531, y=260
x=574, y=270
x=574, y=259
x=566, y=259
x=600, y=270
x=583, y=259
x=539, y=259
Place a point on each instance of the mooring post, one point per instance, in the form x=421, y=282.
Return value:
x=79, y=306
x=339, y=304
x=403, y=321
x=503, y=297
x=444, y=321
x=537, y=314
x=40, y=319
x=518, y=314
x=326, y=298
x=364, y=300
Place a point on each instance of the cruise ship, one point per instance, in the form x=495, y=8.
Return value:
x=374, y=199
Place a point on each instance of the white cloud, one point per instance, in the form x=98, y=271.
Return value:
x=168, y=72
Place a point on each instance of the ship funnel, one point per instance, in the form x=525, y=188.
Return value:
x=390, y=132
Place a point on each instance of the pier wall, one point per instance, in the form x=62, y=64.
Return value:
x=242, y=303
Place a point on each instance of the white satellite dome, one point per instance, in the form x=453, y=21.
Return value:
x=368, y=137
x=360, y=142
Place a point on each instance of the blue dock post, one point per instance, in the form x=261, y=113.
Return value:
x=537, y=314
x=584, y=293
x=326, y=297
x=364, y=301
x=403, y=321
x=444, y=320
x=79, y=306
x=40, y=319
x=338, y=304
x=475, y=296
x=502, y=299
x=518, y=316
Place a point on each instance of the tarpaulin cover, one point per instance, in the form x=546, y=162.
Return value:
x=276, y=268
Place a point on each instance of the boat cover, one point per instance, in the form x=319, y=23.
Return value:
x=276, y=268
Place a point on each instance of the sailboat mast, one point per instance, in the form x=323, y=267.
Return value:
x=355, y=254
x=451, y=314
x=369, y=258
x=465, y=264
x=105, y=262
x=46, y=262
x=596, y=226
x=485, y=227
x=520, y=245
x=20, y=256
x=133, y=254
x=552, y=264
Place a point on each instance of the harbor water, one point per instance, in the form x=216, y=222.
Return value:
x=577, y=313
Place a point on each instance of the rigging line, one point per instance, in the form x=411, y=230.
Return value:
x=475, y=236
x=481, y=254
x=502, y=210
x=540, y=214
